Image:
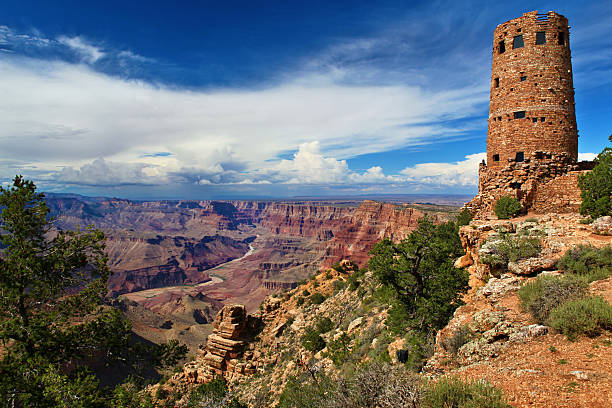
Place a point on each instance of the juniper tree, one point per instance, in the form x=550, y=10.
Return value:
x=53, y=321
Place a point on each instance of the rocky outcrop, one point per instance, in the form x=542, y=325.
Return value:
x=224, y=347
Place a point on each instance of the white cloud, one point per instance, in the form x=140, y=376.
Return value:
x=90, y=53
x=586, y=156
x=58, y=116
x=460, y=173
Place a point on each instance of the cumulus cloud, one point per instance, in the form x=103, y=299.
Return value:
x=88, y=51
x=462, y=173
x=102, y=173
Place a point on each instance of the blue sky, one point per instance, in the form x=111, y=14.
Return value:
x=267, y=99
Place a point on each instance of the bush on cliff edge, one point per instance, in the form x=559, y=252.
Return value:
x=507, y=207
x=596, y=186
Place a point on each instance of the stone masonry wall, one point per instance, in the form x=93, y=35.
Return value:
x=532, y=96
x=540, y=186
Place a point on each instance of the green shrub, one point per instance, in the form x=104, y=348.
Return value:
x=588, y=316
x=507, y=207
x=354, y=279
x=299, y=301
x=337, y=267
x=306, y=293
x=461, y=336
x=587, y=261
x=596, y=187
x=312, y=340
x=464, y=217
x=324, y=325
x=544, y=294
x=452, y=392
x=512, y=247
x=339, y=285
x=338, y=350
x=317, y=298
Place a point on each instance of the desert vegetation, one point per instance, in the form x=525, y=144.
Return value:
x=563, y=301
x=596, y=186
x=55, y=327
x=507, y=207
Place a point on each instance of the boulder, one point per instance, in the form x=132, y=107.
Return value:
x=530, y=266
x=602, y=225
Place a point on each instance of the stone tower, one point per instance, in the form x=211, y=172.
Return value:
x=531, y=114
x=532, y=141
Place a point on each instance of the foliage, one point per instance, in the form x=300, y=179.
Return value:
x=588, y=316
x=306, y=392
x=512, y=247
x=316, y=298
x=452, y=392
x=587, y=261
x=339, y=285
x=464, y=218
x=507, y=207
x=312, y=340
x=354, y=279
x=385, y=386
x=306, y=293
x=596, y=186
x=338, y=350
x=420, y=273
x=53, y=323
x=460, y=337
x=324, y=325
x=299, y=301
x=214, y=394
x=542, y=295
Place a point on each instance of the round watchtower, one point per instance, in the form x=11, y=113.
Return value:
x=531, y=114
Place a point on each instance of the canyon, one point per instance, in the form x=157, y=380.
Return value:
x=176, y=263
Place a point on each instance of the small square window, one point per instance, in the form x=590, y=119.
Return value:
x=540, y=37
x=499, y=118
x=523, y=78
x=496, y=82
x=502, y=47
x=496, y=157
x=561, y=38
x=520, y=156
x=535, y=120
x=518, y=42
x=539, y=155
x=519, y=115
x=542, y=119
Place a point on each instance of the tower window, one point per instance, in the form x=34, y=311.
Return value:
x=542, y=119
x=540, y=37
x=519, y=115
x=535, y=120
x=523, y=78
x=496, y=82
x=502, y=46
x=518, y=42
x=561, y=38
x=539, y=155
x=520, y=156
x=496, y=157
